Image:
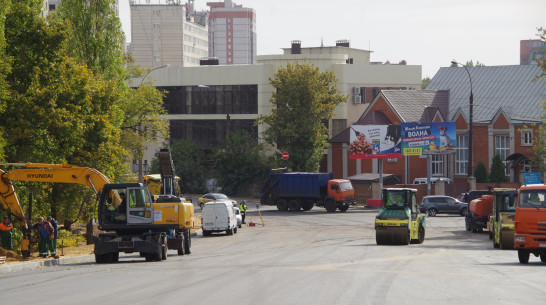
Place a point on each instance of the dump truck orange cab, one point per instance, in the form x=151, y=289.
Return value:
x=530, y=224
x=341, y=190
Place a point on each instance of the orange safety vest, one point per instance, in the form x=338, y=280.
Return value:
x=3, y=227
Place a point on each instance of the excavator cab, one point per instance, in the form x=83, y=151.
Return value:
x=138, y=206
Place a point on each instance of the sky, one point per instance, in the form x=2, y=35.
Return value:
x=429, y=33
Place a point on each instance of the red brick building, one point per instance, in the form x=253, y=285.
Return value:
x=508, y=100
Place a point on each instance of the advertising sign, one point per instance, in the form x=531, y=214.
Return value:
x=532, y=178
x=428, y=138
x=375, y=142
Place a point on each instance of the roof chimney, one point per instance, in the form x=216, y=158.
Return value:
x=296, y=47
x=343, y=43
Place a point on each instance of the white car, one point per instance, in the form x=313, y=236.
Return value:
x=238, y=216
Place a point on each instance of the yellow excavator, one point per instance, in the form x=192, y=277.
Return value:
x=149, y=225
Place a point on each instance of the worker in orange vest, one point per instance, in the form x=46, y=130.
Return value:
x=5, y=228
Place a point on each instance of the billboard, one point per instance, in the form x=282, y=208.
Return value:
x=375, y=142
x=428, y=138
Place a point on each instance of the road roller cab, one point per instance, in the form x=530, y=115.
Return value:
x=399, y=221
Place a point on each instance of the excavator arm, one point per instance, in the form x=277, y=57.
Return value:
x=40, y=172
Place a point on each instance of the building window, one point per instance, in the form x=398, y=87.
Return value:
x=375, y=92
x=437, y=165
x=157, y=12
x=502, y=147
x=526, y=137
x=338, y=126
x=461, y=156
x=157, y=36
x=157, y=26
x=157, y=58
x=52, y=7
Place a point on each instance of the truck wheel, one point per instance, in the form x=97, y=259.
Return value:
x=344, y=208
x=467, y=225
x=543, y=258
x=294, y=205
x=307, y=205
x=282, y=205
x=523, y=256
x=115, y=257
x=432, y=212
x=206, y=233
x=330, y=206
x=187, y=242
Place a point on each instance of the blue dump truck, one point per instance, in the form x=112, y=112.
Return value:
x=300, y=191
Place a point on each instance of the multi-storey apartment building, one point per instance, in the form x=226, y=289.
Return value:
x=232, y=33
x=167, y=32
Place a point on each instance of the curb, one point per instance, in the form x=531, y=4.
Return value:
x=56, y=261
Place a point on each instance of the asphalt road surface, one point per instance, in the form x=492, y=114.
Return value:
x=309, y=257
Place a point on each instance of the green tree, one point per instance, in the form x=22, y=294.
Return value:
x=189, y=163
x=497, y=171
x=58, y=110
x=480, y=173
x=239, y=162
x=97, y=37
x=4, y=69
x=302, y=97
x=539, y=141
x=425, y=82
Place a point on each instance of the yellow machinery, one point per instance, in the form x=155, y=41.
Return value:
x=501, y=223
x=146, y=226
x=399, y=221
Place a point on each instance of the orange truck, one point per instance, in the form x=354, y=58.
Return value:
x=530, y=223
x=479, y=211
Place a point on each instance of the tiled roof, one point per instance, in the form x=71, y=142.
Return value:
x=514, y=88
x=414, y=105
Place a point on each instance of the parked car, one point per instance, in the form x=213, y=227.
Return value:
x=443, y=204
x=432, y=180
x=213, y=197
x=218, y=216
x=239, y=217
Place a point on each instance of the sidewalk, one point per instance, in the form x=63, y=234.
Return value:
x=56, y=261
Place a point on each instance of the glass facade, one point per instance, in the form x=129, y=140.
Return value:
x=233, y=99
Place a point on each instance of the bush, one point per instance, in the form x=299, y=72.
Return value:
x=480, y=173
x=67, y=239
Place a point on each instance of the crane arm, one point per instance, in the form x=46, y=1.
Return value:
x=41, y=172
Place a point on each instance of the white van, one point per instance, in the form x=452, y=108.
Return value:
x=218, y=216
x=432, y=180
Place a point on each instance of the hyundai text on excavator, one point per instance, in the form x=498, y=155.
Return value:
x=399, y=221
x=147, y=226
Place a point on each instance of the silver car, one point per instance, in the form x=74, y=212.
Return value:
x=443, y=204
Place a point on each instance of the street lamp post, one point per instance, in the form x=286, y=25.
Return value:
x=140, y=164
x=471, y=115
x=228, y=119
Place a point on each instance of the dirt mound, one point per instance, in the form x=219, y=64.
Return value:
x=10, y=255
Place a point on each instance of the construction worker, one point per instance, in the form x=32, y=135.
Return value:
x=46, y=235
x=55, y=226
x=242, y=208
x=5, y=228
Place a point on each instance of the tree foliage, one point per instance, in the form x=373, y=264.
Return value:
x=425, y=82
x=189, y=163
x=239, y=161
x=97, y=38
x=539, y=141
x=4, y=68
x=302, y=97
x=480, y=173
x=497, y=170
